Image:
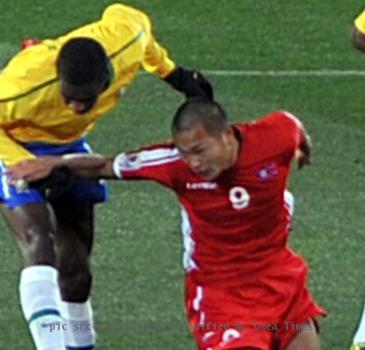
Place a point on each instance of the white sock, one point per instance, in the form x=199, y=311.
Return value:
x=79, y=330
x=39, y=299
x=359, y=337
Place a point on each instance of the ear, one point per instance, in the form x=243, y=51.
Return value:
x=58, y=66
x=108, y=77
x=227, y=133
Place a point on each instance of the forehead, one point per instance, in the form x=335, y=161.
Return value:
x=197, y=136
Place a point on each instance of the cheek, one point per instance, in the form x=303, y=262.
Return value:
x=214, y=157
x=220, y=156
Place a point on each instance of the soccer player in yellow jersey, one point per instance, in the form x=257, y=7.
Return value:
x=51, y=95
x=358, y=40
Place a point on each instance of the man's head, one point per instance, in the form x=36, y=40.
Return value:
x=206, y=142
x=83, y=72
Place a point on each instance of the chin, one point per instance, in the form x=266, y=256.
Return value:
x=210, y=177
x=82, y=112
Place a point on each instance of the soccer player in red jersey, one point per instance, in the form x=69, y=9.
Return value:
x=245, y=288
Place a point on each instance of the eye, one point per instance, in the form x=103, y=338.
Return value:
x=199, y=151
x=182, y=153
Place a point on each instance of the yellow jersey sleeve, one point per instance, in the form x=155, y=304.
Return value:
x=156, y=59
x=360, y=22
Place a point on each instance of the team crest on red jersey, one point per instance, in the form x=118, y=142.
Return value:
x=130, y=161
x=267, y=172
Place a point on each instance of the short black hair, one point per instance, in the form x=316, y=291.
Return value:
x=82, y=61
x=200, y=110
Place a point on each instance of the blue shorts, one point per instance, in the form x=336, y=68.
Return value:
x=82, y=191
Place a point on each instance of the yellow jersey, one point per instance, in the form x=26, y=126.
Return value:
x=32, y=108
x=360, y=22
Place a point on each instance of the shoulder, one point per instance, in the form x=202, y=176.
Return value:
x=118, y=13
x=276, y=119
x=273, y=125
x=269, y=123
x=30, y=68
x=119, y=28
x=272, y=135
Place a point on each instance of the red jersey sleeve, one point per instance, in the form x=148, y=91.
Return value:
x=156, y=163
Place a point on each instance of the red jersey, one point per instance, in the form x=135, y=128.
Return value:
x=236, y=226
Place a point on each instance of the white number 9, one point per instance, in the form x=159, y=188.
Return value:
x=239, y=197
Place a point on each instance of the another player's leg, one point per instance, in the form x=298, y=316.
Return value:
x=73, y=247
x=38, y=288
x=359, y=337
x=75, y=218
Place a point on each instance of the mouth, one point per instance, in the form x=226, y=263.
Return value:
x=206, y=173
x=79, y=109
x=80, y=106
x=82, y=111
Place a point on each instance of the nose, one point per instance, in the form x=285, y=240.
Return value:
x=194, y=162
x=77, y=106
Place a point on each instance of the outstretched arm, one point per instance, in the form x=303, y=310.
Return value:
x=90, y=166
x=155, y=163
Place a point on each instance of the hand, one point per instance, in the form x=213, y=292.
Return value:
x=32, y=169
x=191, y=83
x=45, y=173
x=303, y=153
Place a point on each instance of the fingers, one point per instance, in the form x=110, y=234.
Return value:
x=304, y=151
x=192, y=83
x=303, y=160
x=16, y=172
x=27, y=170
x=21, y=185
x=203, y=85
